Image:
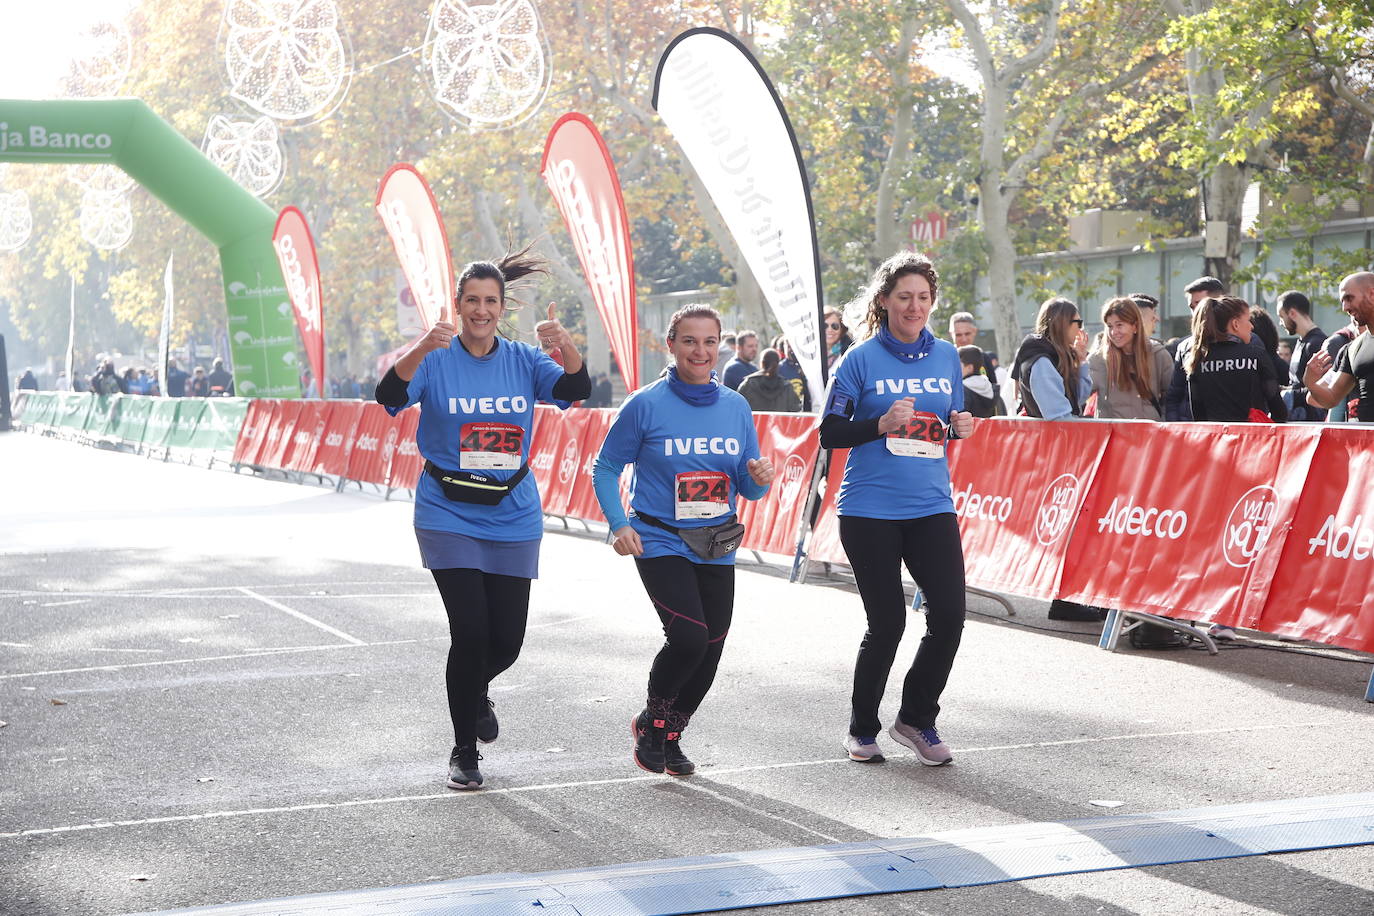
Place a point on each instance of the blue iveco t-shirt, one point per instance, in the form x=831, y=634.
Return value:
x=903, y=476
x=476, y=415
x=690, y=463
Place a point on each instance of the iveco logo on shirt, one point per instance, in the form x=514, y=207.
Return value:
x=517, y=404
x=912, y=385
x=701, y=445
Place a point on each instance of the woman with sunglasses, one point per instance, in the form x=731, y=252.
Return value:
x=1051, y=365
x=894, y=401
x=837, y=337
x=478, y=519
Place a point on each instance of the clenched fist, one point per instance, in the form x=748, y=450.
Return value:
x=761, y=470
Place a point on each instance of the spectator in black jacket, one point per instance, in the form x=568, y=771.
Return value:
x=221, y=381
x=1176, y=398
x=979, y=396
x=1295, y=312
x=1266, y=335
x=1228, y=377
x=1354, y=369
x=766, y=390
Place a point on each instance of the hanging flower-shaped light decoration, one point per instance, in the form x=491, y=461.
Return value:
x=102, y=179
x=285, y=58
x=248, y=151
x=107, y=220
x=488, y=62
x=102, y=58
x=16, y=220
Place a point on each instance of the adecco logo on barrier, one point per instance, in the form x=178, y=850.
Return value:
x=793, y=479
x=1344, y=542
x=968, y=504
x=1249, y=525
x=1056, y=511
x=1124, y=518
x=568, y=465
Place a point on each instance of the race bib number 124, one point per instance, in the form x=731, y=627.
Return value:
x=701, y=494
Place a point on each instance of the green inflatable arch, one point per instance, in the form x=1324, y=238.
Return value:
x=125, y=132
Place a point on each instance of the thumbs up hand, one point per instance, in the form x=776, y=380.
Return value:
x=551, y=334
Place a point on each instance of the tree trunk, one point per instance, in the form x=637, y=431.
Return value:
x=1225, y=189
x=886, y=226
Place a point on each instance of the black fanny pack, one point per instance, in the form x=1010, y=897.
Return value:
x=710, y=543
x=471, y=487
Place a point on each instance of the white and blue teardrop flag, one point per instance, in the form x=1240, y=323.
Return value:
x=727, y=117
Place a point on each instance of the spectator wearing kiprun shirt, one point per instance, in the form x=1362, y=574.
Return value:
x=1130, y=372
x=1228, y=376
x=478, y=532
x=1354, y=369
x=890, y=402
x=695, y=451
x=1295, y=313
x=1176, y=399
x=1050, y=368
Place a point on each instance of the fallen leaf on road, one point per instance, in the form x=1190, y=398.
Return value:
x=56, y=702
x=205, y=779
x=3, y=724
x=142, y=877
x=600, y=699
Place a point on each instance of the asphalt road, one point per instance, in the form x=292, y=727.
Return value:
x=221, y=688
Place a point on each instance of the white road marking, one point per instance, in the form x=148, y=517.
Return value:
x=255, y=653
x=698, y=787
x=65, y=603
x=299, y=616
x=625, y=780
x=559, y=623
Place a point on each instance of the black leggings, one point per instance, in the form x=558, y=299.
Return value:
x=694, y=601
x=932, y=553
x=486, y=623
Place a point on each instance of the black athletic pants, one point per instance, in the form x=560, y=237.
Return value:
x=932, y=553
x=694, y=601
x=486, y=622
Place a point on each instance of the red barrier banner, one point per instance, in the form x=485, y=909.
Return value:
x=1322, y=589
x=365, y=461
x=411, y=216
x=824, y=545
x=300, y=269
x=567, y=459
x=1181, y=518
x=543, y=442
x=405, y=465
x=582, y=496
x=579, y=171
x=1018, y=487
x=336, y=440
x=789, y=440
x=253, y=433
x=276, y=453
x=305, y=440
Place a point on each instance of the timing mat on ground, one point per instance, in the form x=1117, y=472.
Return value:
x=961, y=858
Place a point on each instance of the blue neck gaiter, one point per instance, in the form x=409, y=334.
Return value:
x=907, y=352
x=696, y=395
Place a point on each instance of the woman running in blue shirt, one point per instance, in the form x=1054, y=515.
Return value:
x=695, y=451
x=894, y=402
x=477, y=509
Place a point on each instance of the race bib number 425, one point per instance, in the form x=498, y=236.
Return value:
x=922, y=437
x=701, y=494
x=485, y=446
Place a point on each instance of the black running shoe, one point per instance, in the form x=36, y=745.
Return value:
x=487, y=726
x=675, y=763
x=462, y=768
x=648, y=734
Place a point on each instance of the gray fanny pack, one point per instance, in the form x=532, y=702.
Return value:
x=710, y=542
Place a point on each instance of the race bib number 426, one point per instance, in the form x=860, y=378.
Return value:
x=701, y=494
x=922, y=437
x=485, y=446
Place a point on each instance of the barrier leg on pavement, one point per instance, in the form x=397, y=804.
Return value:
x=992, y=596
x=1113, y=628
x=1369, y=691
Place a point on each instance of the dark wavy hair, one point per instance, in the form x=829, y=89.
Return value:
x=884, y=280
x=1053, y=323
x=511, y=267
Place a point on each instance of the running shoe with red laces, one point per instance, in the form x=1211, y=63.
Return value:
x=649, y=737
